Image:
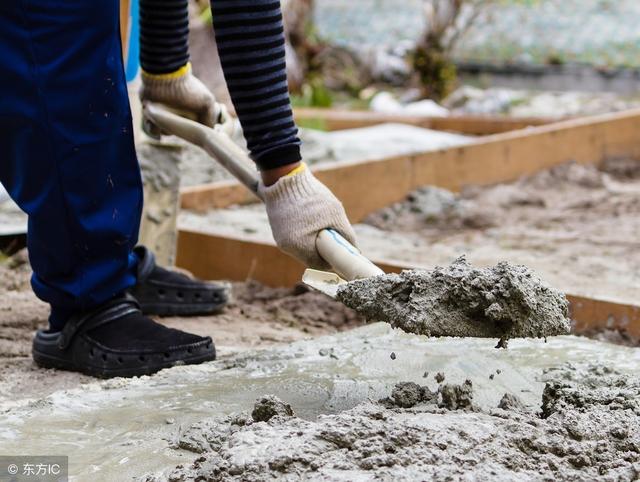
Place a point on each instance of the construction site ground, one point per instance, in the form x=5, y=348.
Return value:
x=556, y=408
x=562, y=407
x=303, y=387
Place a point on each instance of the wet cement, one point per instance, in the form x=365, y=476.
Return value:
x=120, y=429
x=586, y=430
x=451, y=396
x=503, y=301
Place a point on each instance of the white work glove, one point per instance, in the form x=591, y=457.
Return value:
x=185, y=93
x=299, y=207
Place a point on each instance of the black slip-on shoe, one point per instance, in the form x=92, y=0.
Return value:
x=117, y=340
x=168, y=293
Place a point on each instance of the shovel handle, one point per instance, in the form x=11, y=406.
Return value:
x=344, y=258
x=213, y=140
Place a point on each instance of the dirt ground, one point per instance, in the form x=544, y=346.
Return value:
x=257, y=317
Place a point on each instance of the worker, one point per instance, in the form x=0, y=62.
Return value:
x=67, y=158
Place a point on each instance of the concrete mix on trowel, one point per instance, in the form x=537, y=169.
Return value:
x=504, y=301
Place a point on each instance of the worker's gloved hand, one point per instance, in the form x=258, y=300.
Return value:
x=182, y=91
x=299, y=207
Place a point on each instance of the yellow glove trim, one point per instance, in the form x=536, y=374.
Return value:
x=298, y=169
x=181, y=72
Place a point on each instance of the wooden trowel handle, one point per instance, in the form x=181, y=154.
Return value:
x=344, y=258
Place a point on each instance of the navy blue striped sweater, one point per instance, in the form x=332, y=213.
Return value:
x=250, y=39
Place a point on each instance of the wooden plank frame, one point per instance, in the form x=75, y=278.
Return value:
x=238, y=258
x=365, y=186
x=125, y=32
x=474, y=125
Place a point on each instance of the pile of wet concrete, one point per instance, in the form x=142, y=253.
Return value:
x=346, y=416
x=586, y=428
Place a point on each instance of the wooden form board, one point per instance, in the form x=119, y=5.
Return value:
x=476, y=125
x=365, y=186
x=211, y=256
x=125, y=9
x=215, y=195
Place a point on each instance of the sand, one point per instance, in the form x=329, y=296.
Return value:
x=503, y=301
x=584, y=429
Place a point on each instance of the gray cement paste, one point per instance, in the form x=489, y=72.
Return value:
x=120, y=429
x=587, y=430
x=504, y=301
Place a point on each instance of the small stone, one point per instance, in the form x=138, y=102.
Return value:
x=491, y=376
x=324, y=352
x=268, y=407
x=406, y=394
x=619, y=432
x=169, y=421
x=439, y=377
x=454, y=397
x=511, y=402
x=425, y=375
x=393, y=355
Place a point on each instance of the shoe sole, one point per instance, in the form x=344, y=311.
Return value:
x=181, y=309
x=46, y=360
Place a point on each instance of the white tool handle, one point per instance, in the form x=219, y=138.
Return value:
x=343, y=257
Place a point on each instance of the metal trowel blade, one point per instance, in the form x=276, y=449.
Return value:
x=322, y=281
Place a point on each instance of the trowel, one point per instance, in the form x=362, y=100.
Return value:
x=346, y=261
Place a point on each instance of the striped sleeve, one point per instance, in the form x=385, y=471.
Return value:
x=164, y=35
x=250, y=39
